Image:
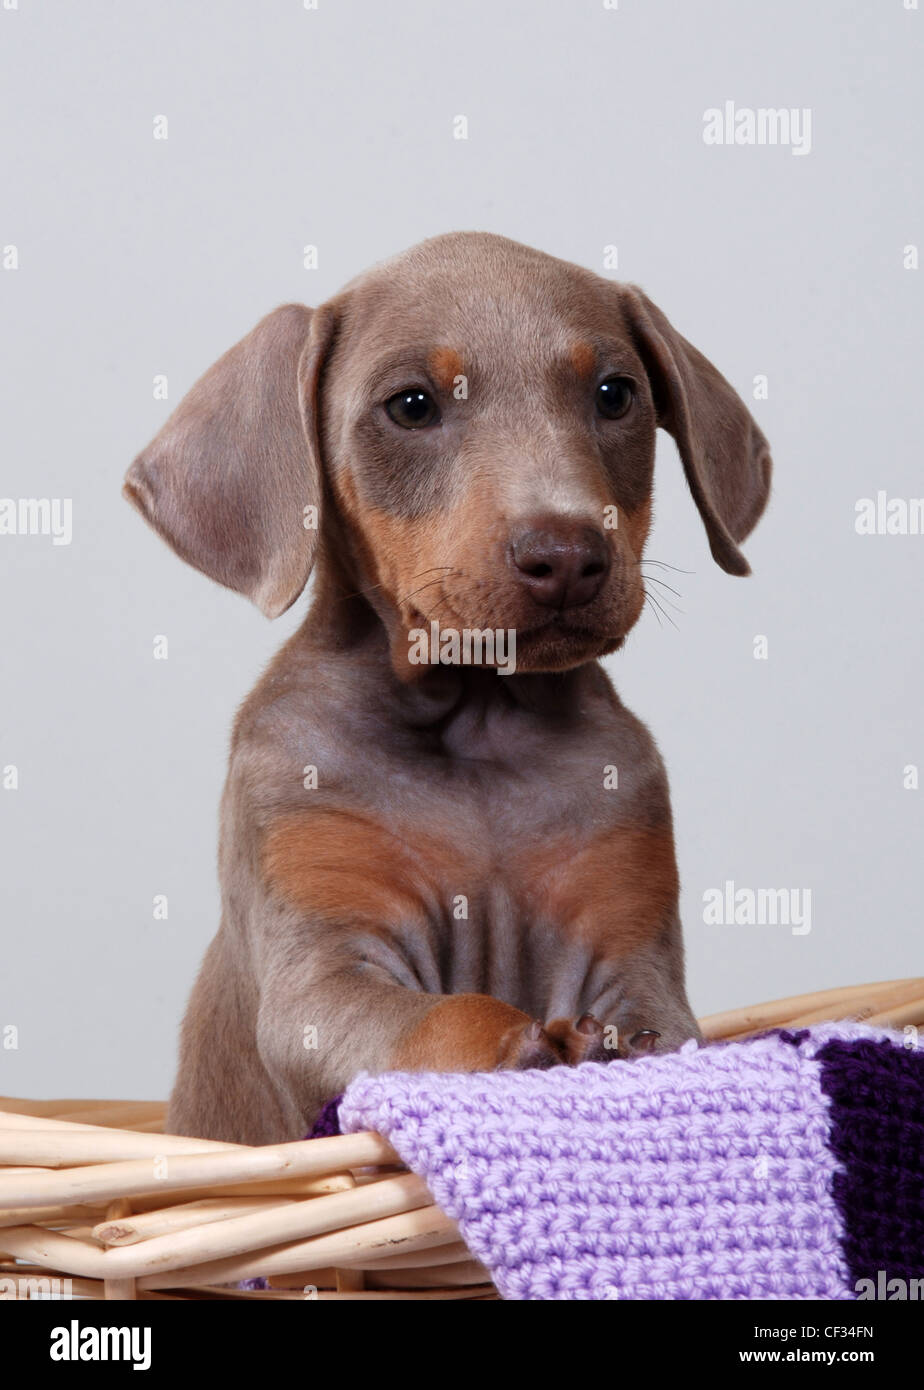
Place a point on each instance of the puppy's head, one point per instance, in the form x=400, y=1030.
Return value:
x=481, y=420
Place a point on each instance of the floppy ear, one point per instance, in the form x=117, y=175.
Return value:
x=227, y=480
x=725, y=456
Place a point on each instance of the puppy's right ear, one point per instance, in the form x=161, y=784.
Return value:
x=228, y=479
x=725, y=456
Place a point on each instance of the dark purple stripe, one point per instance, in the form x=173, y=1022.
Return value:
x=327, y=1123
x=876, y=1091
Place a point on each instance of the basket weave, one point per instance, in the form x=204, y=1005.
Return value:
x=97, y=1202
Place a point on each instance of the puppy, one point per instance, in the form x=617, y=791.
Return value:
x=441, y=862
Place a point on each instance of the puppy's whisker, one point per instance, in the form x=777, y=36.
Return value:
x=656, y=579
x=441, y=598
x=665, y=566
x=653, y=578
x=358, y=593
x=370, y=588
x=669, y=601
x=429, y=585
x=653, y=609
x=662, y=610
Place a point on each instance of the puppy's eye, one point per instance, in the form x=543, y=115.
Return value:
x=614, y=396
x=412, y=408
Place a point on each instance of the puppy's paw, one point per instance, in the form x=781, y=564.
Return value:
x=527, y=1047
x=589, y=1040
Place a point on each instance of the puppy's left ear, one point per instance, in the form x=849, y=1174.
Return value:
x=228, y=479
x=725, y=456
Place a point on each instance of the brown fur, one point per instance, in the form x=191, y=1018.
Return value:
x=466, y=1032
x=583, y=358
x=446, y=365
x=615, y=891
x=460, y=870
x=310, y=862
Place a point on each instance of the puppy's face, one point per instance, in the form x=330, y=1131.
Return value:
x=488, y=429
x=481, y=419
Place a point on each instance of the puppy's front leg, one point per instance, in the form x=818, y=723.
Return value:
x=319, y=1027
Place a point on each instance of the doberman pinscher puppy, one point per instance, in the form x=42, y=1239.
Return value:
x=432, y=866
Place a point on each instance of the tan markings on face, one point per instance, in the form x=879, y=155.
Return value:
x=615, y=893
x=583, y=358
x=343, y=867
x=425, y=564
x=466, y=1032
x=445, y=365
x=397, y=557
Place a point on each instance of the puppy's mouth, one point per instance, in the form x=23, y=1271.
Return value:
x=557, y=640
x=567, y=638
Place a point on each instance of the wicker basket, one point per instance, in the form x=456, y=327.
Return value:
x=97, y=1202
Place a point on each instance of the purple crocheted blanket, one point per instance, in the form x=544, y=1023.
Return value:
x=786, y=1166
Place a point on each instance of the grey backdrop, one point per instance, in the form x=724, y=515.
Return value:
x=333, y=127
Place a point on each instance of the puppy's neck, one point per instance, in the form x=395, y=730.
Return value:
x=346, y=628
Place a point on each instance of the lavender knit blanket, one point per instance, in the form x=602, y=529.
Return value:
x=786, y=1166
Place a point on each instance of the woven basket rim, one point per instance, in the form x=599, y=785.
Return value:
x=97, y=1201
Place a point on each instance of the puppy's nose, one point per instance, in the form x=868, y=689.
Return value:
x=562, y=563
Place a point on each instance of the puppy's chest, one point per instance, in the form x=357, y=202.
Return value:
x=499, y=786
x=470, y=849
x=511, y=878
x=496, y=827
